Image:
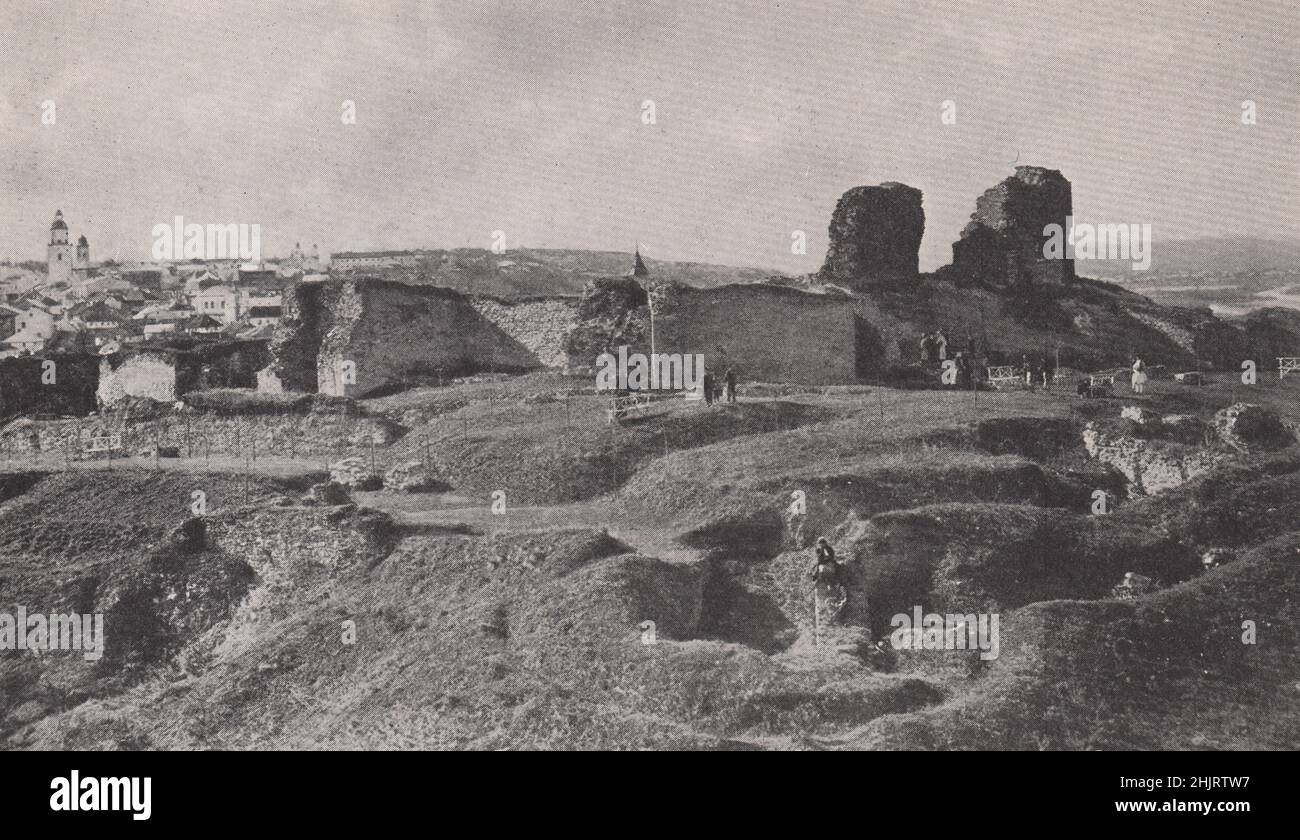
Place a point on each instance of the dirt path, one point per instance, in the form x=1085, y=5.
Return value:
x=451, y=510
x=270, y=467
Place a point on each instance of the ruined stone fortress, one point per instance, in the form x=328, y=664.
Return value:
x=356, y=336
x=875, y=234
x=364, y=336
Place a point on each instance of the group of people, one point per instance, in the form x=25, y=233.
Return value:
x=968, y=371
x=934, y=347
x=935, y=352
x=1137, y=381
x=1040, y=371
x=715, y=393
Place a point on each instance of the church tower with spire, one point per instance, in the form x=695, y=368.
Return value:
x=58, y=254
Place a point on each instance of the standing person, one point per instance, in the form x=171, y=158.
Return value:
x=927, y=346
x=1049, y=372
x=1139, y=378
x=708, y=387
x=963, y=370
x=730, y=379
x=941, y=345
x=829, y=594
x=1028, y=369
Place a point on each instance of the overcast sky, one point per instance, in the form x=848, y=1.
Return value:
x=473, y=117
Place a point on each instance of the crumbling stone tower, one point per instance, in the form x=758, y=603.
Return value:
x=875, y=237
x=1003, y=243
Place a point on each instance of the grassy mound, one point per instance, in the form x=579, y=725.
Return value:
x=1168, y=671
x=531, y=640
x=547, y=452
x=985, y=558
x=84, y=519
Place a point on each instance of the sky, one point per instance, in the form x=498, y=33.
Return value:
x=529, y=118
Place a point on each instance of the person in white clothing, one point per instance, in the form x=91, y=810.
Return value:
x=1139, y=376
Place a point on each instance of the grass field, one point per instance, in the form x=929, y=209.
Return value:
x=441, y=620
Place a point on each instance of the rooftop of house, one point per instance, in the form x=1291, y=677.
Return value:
x=352, y=255
x=99, y=311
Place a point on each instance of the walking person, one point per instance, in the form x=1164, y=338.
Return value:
x=730, y=379
x=1139, y=379
x=708, y=387
x=829, y=594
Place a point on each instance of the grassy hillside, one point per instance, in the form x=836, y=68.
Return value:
x=526, y=272
x=433, y=621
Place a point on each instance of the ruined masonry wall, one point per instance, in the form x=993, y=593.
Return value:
x=398, y=335
x=539, y=325
x=768, y=333
x=139, y=376
x=302, y=436
x=1149, y=470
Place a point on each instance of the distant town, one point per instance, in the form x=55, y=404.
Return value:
x=78, y=305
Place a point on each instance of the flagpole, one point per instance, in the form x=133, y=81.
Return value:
x=650, y=301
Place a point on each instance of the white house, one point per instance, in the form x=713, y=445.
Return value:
x=22, y=342
x=220, y=302
x=263, y=316
x=32, y=320
x=159, y=328
x=251, y=298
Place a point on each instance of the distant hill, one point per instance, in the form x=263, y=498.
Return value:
x=546, y=271
x=1231, y=275
x=1209, y=256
